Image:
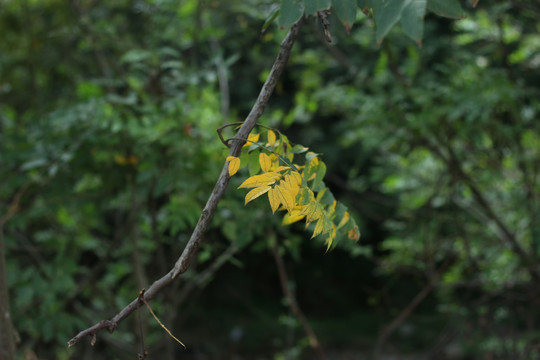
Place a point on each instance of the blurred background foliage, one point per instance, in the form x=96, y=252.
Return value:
x=108, y=152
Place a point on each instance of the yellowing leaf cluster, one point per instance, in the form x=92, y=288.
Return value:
x=291, y=186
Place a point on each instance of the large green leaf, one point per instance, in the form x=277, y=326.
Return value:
x=312, y=6
x=446, y=8
x=345, y=11
x=387, y=14
x=290, y=12
x=412, y=19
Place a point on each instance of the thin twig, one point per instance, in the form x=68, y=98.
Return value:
x=404, y=314
x=141, y=298
x=184, y=260
x=293, y=304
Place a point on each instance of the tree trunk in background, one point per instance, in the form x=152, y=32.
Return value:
x=7, y=338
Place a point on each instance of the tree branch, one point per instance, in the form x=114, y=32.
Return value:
x=404, y=314
x=293, y=304
x=183, y=262
x=454, y=165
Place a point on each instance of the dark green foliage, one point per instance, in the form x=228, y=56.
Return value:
x=108, y=151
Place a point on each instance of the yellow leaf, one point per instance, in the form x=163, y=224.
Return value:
x=310, y=172
x=271, y=138
x=319, y=228
x=234, y=164
x=252, y=139
x=344, y=220
x=265, y=161
x=290, y=156
x=281, y=168
x=292, y=185
x=275, y=160
x=287, y=198
x=330, y=239
x=297, y=177
x=255, y=193
x=273, y=198
x=293, y=217
x=260, y=180
x=331, y=209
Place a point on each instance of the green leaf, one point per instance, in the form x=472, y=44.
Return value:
x=299, y=149
x=346, y=12
x=290, y=12
x=320, y=173
x=387, y=14
x=367, y=4
x=310, y=156
x=312, y=6
x=325, y=196
x=253, y=163
x=412, y=20
x=446, y=8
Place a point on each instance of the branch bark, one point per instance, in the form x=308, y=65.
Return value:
x=183, y=262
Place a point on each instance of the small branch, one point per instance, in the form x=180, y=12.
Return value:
x=184, y=260
x=506, y=234
x=323, y=15
x=293, y=304
x=220, y=133
x=389, y=330
x=454, y=165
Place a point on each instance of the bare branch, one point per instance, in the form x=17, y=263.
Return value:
x=404, y=314
x=293, y=304
x=183, y=262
